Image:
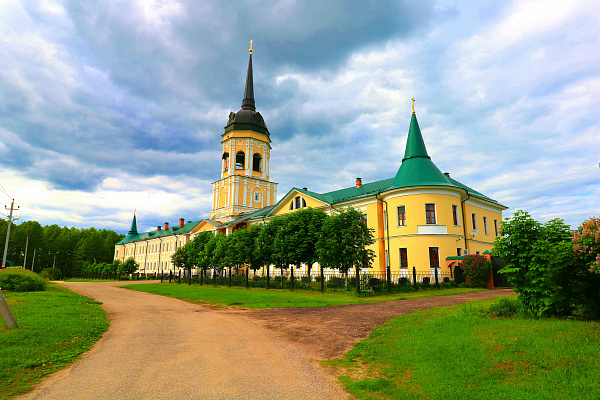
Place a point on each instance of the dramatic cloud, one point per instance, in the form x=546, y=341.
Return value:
x=111, y=106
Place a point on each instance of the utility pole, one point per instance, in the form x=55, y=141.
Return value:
x=25, y=258
x=10, y=219
x=33, y=261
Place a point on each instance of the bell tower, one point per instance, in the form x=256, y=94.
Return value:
x=244, y=186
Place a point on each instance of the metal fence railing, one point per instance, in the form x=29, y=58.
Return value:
x=289, y=279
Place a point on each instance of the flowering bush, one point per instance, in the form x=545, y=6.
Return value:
x=477, y=270
x=587, y=243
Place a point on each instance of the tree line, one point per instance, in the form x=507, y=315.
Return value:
x=70, y=247
x=304, y=237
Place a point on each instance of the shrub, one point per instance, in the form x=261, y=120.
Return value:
x=477, y=270
x=506, y=307
x=541, y=265
x=21, y=280
x=51, y=273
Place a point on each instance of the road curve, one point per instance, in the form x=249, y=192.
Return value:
x=162, y=348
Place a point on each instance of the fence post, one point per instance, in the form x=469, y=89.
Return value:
x=437, y=284
x=229, y=273
x=322, y=280
x=292, y=277
x=267, y=277
x=415, y=277
x=161, y=276
x=357, y=280
x=247, y=273
x=214, y=277
x=189, y=276
x=179, y=278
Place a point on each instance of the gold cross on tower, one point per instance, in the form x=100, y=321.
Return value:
x=413, y=100
x=251, y=45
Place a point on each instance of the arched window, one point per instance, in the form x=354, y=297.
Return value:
x=240, y=160
x=298, y=202
x=256, y=162
x=225, y=161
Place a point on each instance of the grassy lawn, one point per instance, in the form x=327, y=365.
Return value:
x=56, y=326
x=459, y=352
x=223, y=296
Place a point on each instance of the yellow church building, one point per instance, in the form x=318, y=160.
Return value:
x=421, y=217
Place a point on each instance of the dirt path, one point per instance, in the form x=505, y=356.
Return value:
x=329, y=332
x=163, y=348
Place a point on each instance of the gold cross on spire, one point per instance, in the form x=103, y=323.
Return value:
x=413, y=100
x=251, y=45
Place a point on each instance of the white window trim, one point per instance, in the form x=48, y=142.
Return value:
x=398, y=219
x=457, y=215
x=434, y=213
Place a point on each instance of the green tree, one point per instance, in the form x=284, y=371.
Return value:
x=344, y=242
x=296, y=240
x=540, y=264
x=265, y=251
x=196, y=248
x=128, y=267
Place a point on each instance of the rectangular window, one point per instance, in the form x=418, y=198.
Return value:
x=364, y=219
x=401, y=216
x=485, y=226
x=496, y=226
x=434, y=257
x=459, y=252
x=455, y=215
x=430, y=214
x=403, y=258
x=474, y=221
x=256, y=197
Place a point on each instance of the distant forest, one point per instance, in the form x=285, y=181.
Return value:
x=72, y=247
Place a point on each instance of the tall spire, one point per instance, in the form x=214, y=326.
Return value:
x=417, y=169
x=415, y=145
x=133, y=229
x=248, y=103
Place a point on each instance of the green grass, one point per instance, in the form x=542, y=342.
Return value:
x=460, y=352
x=55, y=327
x=222, y=296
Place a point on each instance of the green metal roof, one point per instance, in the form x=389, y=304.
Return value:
x=351, y=193
x=417, y=169
x=256, y=214
x=455, y=258
x=175, y=230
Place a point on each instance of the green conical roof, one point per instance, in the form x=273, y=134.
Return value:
x=133, y=229
x=417, y=169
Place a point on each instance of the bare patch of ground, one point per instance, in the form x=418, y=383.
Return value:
x=329, y=332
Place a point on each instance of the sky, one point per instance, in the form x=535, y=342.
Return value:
x=107, y=107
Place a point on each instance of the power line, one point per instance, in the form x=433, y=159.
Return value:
x=4, y=191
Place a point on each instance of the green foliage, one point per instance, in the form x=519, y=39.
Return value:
x=344, y=242
x=72, y=247
x=55, y=327
x=506, y=307
x=541, y=265
x=21, y=280
x=128, y=267
x=51, y=273
x=477, y=270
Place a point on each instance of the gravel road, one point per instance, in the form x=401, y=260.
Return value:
x=163, y=348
